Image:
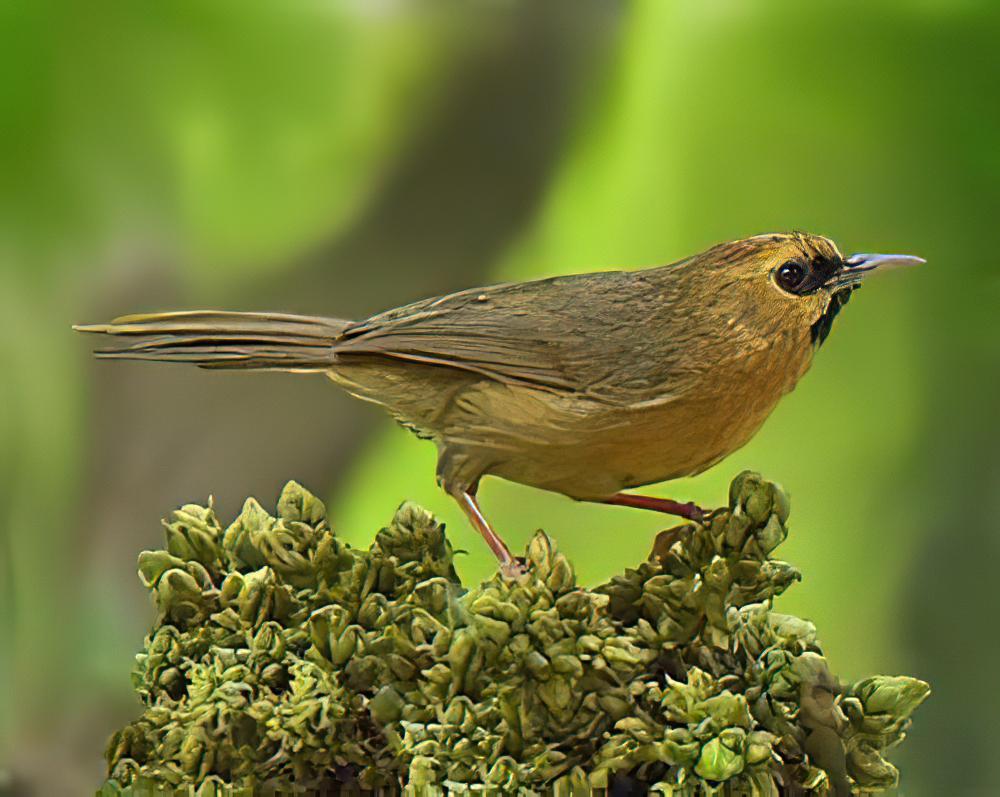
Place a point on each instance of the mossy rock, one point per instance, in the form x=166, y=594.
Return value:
x=284, y=661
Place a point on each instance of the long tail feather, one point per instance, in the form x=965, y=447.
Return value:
x=222, y=339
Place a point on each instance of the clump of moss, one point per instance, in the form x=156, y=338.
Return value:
x=281, y=657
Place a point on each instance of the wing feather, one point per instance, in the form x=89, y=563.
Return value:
x=534, y=333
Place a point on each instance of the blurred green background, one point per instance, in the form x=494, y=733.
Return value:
x=345, y=157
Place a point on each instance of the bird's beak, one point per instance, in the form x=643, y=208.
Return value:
x=858, y=265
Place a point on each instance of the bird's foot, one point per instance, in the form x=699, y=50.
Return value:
x=691, y=511
x=706, y=516
x=513, y=568
x=665, y=539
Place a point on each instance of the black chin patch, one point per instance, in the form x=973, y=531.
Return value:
x=821, y=328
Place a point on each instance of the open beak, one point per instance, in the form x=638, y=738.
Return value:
x=857, y=266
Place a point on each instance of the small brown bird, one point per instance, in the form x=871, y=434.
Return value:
x=586, y=385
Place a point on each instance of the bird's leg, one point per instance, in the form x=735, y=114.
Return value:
x=509, y=566
x=688, y=511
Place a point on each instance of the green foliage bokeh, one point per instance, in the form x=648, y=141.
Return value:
x=227, y=138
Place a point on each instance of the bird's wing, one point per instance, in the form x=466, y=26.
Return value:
x=565, y=334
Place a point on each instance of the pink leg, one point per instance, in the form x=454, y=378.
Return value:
x=508, y=564
x=689, y=511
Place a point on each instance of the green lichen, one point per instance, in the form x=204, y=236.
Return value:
x=281, y=657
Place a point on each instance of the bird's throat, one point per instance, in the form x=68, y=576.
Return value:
x=822, y=326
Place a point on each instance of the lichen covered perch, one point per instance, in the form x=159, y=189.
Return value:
x=281, y=656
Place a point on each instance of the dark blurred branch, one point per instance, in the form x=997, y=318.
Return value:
x=474, y=177
x=462, y=191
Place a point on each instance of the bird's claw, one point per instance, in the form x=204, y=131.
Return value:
x=706, y=516
x=695, y=513
x=513, y=568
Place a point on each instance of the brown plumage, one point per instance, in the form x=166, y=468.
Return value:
x=585, y=385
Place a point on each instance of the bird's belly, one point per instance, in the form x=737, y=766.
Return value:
x=571, y=444
x=606, y=452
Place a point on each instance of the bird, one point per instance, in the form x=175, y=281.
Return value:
x=589, y=385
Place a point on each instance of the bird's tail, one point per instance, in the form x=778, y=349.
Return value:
x=220, y=339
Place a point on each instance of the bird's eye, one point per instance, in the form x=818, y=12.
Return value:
x=790, y=275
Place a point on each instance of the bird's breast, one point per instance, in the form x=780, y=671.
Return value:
x=716, y=414
x=595, y=453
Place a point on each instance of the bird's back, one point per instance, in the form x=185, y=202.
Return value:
x=608, y=336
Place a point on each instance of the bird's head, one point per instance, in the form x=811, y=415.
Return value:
x=796, y=280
